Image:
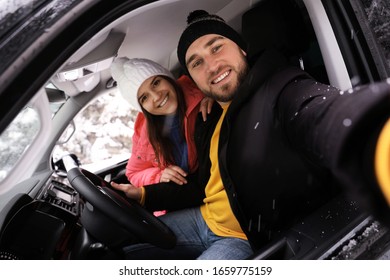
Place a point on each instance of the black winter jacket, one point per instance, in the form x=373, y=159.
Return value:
x=282, y=137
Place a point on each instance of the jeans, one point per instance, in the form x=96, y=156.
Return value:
x=194, y=241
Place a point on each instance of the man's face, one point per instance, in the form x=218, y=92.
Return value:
x=217, y=65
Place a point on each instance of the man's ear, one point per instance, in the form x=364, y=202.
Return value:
x=243, y=52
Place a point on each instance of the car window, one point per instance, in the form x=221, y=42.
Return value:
x=377, y=16
x=102, y=133
x=16, y=139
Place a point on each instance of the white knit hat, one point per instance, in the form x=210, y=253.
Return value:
x=131, y=73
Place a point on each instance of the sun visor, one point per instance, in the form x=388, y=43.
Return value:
x=84, y=75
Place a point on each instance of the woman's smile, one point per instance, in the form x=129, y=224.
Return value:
x=164, y=101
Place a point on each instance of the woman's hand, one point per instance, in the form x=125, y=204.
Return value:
x=205, y=107
x=129, y=190
x=175, y=174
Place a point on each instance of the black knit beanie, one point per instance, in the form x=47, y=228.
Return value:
x=200, y=23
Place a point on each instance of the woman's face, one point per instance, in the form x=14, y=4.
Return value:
x=157, y=96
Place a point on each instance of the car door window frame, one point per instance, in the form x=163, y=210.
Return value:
x=357, y=44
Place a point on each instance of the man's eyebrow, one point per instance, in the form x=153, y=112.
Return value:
x=213, y=40
x=208, y=44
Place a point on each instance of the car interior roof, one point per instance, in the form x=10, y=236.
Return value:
x=140, y=32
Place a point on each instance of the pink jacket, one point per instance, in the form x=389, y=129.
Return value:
x=142, y=167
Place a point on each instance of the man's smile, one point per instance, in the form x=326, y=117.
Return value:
x=221, y=77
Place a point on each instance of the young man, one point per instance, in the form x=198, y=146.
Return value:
x=267, y=146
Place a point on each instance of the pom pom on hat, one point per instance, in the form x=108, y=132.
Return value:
x=201, y=23
x=131, y=73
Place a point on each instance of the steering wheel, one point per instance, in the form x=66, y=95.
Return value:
x=125, y=212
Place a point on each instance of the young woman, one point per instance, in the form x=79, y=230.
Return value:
x=163, y=147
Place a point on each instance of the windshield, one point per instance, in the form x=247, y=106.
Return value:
x=14, y=9
x=101, y=133
x=22, y=21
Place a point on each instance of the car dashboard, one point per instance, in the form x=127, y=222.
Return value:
x=44, y=227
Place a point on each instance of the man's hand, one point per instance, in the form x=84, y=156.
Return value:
x=129, y=190
x=174, y=174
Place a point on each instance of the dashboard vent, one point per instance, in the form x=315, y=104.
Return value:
x=61, y=204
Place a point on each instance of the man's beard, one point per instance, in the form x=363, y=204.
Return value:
x=228, y=91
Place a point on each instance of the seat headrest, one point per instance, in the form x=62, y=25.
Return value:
x=275, y=24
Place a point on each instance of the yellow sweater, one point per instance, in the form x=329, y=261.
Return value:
x=382, y=161
x=216, y=211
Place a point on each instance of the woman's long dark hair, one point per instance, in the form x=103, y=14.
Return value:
x=157, y=130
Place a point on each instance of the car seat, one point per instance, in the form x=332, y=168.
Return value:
x=284, y=26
